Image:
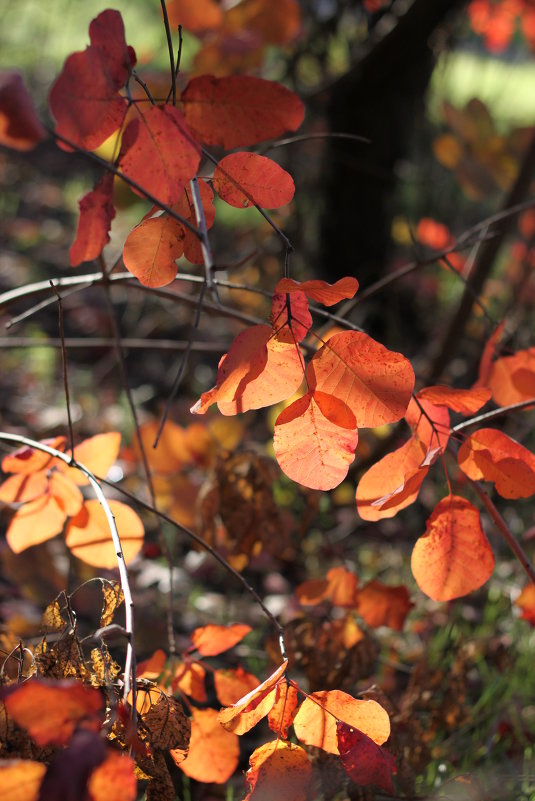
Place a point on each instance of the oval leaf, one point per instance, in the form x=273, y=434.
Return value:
x=213, y=752
x=321, y=291
x=363, y=760
x=212, y=640
x=490, y=455
x=464, y=401
x=244, y=179
x=88, y=534
x=279, y=770
x=151, y=250
x=96, y=214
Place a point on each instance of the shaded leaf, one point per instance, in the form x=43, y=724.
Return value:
x=167, y=724
x=96, y=214
x=282, y=713
x=242, y=179
x=247, y=711
x=321, y=291
x=197, y=16
x=213, y=752
x=279, y=770
x=512, y=378
x=315, y=722
x=240, y=110
x=339, y=587
x=453, y=557
x=465, y=401
x=20, y=127
x=67, y=775
x=212, y=640
x=151, y=250
x=274, y=23
x=364, y=761
x=315, y=440
x=490, y=455
x=381, y=605
x=88, y=534
x=186, y=209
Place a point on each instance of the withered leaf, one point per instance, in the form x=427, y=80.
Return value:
x=105, y=669
x=160, y=786
x=62, y=660
x=112, y=598
x=52, y=619
x=167, y=724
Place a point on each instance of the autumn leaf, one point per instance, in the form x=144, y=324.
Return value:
x=364, y=761
x=430, y=423
x=315, y=440
x=97, y=453
x=113, y=779
x=112, y=598
x=247, y=711
x=35, y=522
x=242, y=179
x=96, y=214
x=159, y=153
x=339, y=587
x=30, y=460
x=186, y=209
x=282, y=713
x=321, y=291
x=212, y=640
x=240, y=110
x=232, y=684
x=273, y=23
x=512, y=378
x=88, y=534
x=50, y=711
x=453, y=557
x=20, y=779
x=213, y=752
x=189, y=679
x=374, y=382
x=151, y=250
x=197, y=16
x=167, y=724
x=279, y=770
x=290, y=317
x=489, y=351
x=526, y=602
x=491, y=455
x=315, y=722
x=465, y=401
x=379, y=604
x=20, y=127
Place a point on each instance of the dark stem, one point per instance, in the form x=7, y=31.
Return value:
x=65, y=368
x=170, y=48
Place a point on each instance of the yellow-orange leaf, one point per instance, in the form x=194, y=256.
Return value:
x=315, y=440
x=172, y=451
x=453, y=557
x=67, y=494
x=315, y=722
x=113, y=779
x=465, y=401
x=20, y=779
x=151, y=250
x=485, y=363
x=212, y=640
x=89, y=538
x=381, y=605
x=23, y=487
x=213, y=752
x=189, y=679
x=29, y=460
x=35, y=522
x=279, y=770
x=97, y=453
x=339, y=587
x=512, y=378
x=233, y=684
x=282, y=713
x=491, y=455
x=374, y=382
x=321, y=291
x=51, y=711
x=393, y=482
x=245, y=713
x=430, y=424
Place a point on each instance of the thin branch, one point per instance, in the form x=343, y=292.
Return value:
x=107, y=342
x=65, y=369
x=206, y=249
x=484, y=418
x=130, y=666
x=171, y=51
x=290, y=140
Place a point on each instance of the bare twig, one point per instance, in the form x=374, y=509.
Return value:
x=106, y=342
x=487, y=416
x=65, y=369
x=170, y=48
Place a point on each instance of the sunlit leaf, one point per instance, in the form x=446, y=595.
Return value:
x=29, y=460
x=489, y=351
x=526, y=602
x=189, y=679
x=197, y=16
x=465, y=401
x=213, y=752
x=151, y=250
x=339, y=587
x=35, y=522
x=167, y=724
x=247, y=711
x=279, y=770
x=430, y=423
x=364, y=761
x=65, y=493
x=490, y=455
x=20, y=779
x=290, y=317
x=453, y=557
x=321, y=291
x=20, y=127
x=282, y=713
x=88, y=534
x=212, y=640
x=242, y=179
x=512, y=378
x=23, y=487
x=97, y=453
x=274, y=23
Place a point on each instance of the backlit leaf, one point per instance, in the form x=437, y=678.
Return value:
x=20, y=779
x=159, y=153
x=282, y=713
x=213, y=752
x=339, y=587
x=291, y=325
x=512, y=378
x=429, y=423
x=242, y=179
x=315, y=722
x=50, y=711
x=20, y=127
x=106, y=32
x=526, y=602
x=113, y=779
x=240, y=110
x=279, y=770
x=35, y=522
x=29, y=460
x=392, y=483
x=88, y=534
x=315, y=440
x=233, y=684
x=364, y=761
x=65, y=493
x=485, y=363
x=112, y=598
x=167, y=724
x=381, y=605
x=212, y=640
x=197, y=16
x=96, y=214
x=374, y=382
x=490, y=455
x=151, y=250
x=97, y=453
x=453, y=557
x=465, y=401
x=24, y=487
x=274, y=23
x=321, y=291
x=189, y=679
x=245, y=713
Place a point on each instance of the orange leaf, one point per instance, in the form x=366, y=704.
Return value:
x=282, y=713
x=315, y=722
x=363, y=760
x=275, y=23
x=321, y=291
x=35, y=522
x=213, y=753
x=290, y=325
x=65, y=493
x=512, y=378
x=96, y=214
x=465, y=401
x=258, y=371
x=434, y=234
x=197, y=16
x=113, y=779
x=233, y=684
x=172, y=452
x=97, y=453
x=491, y=455
x=245, y=713
x=50, y=711
x=20, y=779
x=339, y=587
x=88, y=534
x=381, y=605
x=29, y=460
x=240, y=110
x=242, y=179
x=485, y=363
x=20, y=127
x=453, y=557
x=526, y=602
x=429, y=423
x=392, y=483
x=159, y=153
x=151, y=250
x=374, y=382
x=151, y=668
x=315, y=440
x=279, y=770
x=190, y=680
x=212, y=640
x=24, y=487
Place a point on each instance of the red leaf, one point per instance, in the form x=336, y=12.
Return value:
x=151, y=250
x=321, y=291
x=159, y=153
x=430, y=424
x=315, y=440
x=464, y=401
x=242, y=179
x=374, y=382
x=512, y=378
x=96, y=214
x=364, y=761
x=212, y=640
x=185, y=207
x=453, y=557
x=293, y=327
x=106, y=32
x=491, y=455
x=240, y=110
x=20, y=127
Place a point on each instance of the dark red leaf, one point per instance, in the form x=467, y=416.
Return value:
x=96, y=214
x=364, y=761
x=20, y=127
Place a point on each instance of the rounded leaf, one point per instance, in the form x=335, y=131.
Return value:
x=213, y=752
x=89, y=538
x=151, y=250
x=244, y=179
